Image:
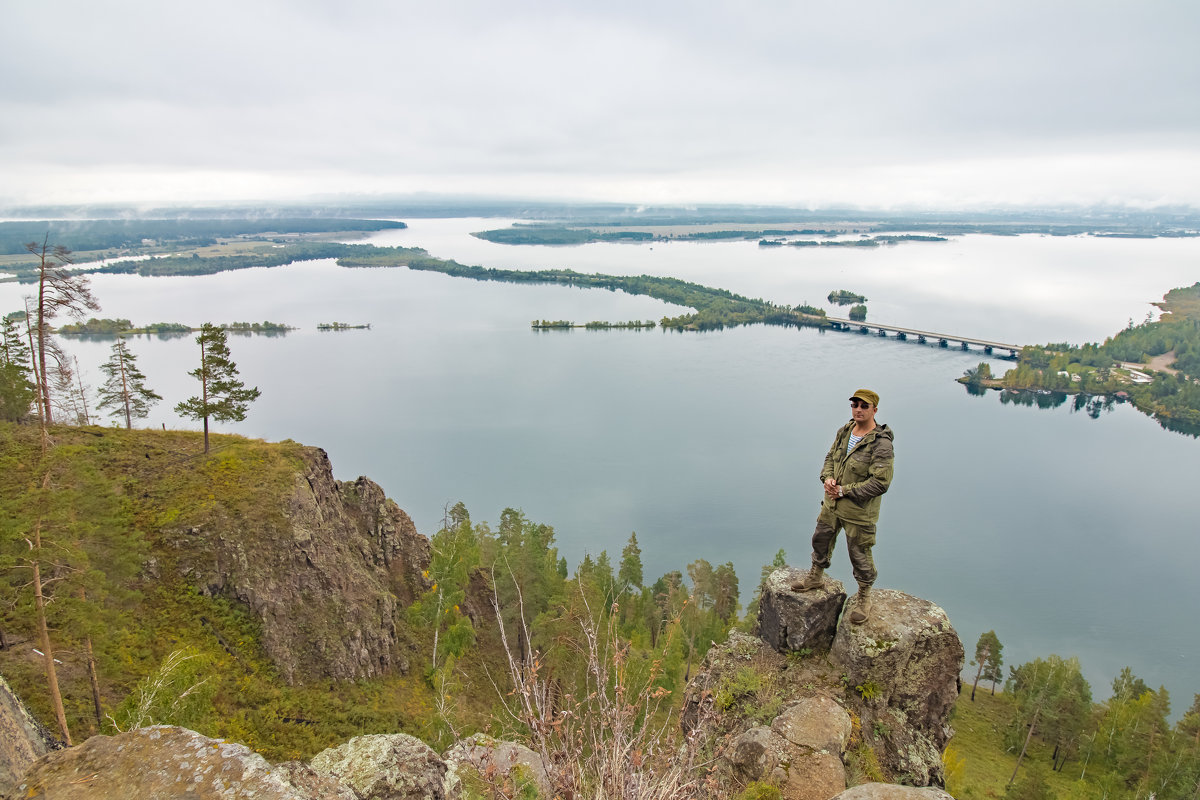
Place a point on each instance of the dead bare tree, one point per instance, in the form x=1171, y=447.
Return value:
x=59, y=290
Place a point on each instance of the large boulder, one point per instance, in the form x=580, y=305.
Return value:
x=380, y=766
x=798, y=621
x=165, y=763
x=815, y=724
x=904, y=664
x=23, y=740
x=310, y=783
x=801, y=752
x=494, y=761
x=891, y=791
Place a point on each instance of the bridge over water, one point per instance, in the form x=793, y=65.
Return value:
x=941, y=339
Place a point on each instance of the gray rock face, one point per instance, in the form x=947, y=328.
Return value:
x=790, y=620
x=165, y=763
x=310, y=783
x=891, y=791
x=820, y=776
x=801, y=752
x=385, y=767
x=906, y=658
x=816, y=723
x=324, y=573
x=492, y=759
x=23, y=740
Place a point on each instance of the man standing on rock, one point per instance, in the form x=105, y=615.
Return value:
x=856, y=473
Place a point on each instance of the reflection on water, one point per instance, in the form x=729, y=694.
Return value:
x=1092, y=405
x=1042, y=398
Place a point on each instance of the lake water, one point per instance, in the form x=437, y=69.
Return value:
x=1063, y=533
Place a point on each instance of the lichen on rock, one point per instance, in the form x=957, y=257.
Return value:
x=165, y=763
x=385, y=767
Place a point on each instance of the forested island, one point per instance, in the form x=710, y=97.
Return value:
x=342, y=326
x=596, y=325
x=123, y=327
x=844, y=297
x=1154, y=364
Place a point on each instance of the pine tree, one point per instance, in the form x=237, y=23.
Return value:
x=988, y=659
x=124, y=389
x=725, y=592
x=629, y=576
x=16, y=390
x=222, y=397
x=13, y=349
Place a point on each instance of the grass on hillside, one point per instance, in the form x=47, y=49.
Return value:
x=979, y=766
x=150, y=486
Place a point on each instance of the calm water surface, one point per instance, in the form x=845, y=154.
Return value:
x=1063, y=533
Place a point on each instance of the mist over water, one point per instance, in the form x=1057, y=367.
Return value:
x=1063, y=533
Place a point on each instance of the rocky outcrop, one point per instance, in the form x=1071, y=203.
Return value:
x=771, y=719
x=814, y=696
x=23, y=740
x=798, y=621
x=494, y=762
x=904, y=663
x=385, y=767
x=324, y=573
x=167, y=763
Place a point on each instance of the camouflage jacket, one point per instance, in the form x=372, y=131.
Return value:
x=864, y=473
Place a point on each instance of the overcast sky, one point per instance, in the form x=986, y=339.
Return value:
x=875, y=104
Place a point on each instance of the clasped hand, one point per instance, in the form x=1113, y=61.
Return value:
x=831, y=489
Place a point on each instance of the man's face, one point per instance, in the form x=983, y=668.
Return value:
x=862, y=412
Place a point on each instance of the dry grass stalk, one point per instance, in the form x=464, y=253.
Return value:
x=620, y=740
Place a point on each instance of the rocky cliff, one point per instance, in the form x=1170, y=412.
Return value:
x=813, y=703
x=324, y=572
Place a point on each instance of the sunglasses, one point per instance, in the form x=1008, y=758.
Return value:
x=856, y=403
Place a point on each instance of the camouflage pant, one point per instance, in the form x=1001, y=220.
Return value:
x=860, y=538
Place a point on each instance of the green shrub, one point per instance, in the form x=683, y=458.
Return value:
x=758, y=790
